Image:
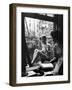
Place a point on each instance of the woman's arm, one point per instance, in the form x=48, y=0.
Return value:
x=52, y=60
x=57, y=66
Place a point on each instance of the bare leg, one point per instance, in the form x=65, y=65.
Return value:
x=38, y=55
x=35, y=56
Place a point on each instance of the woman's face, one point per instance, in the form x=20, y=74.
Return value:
x=43, y=41
x=58, y=49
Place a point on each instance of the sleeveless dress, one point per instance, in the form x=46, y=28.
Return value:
x=58, y=50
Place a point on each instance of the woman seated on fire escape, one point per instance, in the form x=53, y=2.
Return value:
x=41, y=56
x=58, y=54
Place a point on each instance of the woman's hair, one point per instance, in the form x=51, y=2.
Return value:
x=43, y=39
x=57, y=36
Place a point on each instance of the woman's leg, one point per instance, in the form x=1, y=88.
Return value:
x=35, y=56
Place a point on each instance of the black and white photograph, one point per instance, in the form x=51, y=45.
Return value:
x=42, y=44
